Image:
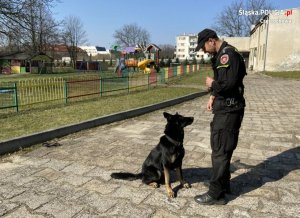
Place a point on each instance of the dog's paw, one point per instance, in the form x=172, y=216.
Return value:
x=171, y=194
x=153, y=184
x=186, y=185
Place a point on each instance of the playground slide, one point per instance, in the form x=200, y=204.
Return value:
x=143, y=64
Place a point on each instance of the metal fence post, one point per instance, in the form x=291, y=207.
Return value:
x=66, y=91
x=101, y=87
x=16, y=97
x=127, y=84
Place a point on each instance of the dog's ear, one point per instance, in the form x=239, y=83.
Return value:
x=167, y=115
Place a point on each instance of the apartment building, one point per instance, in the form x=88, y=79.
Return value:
x=275, y=42
x=185, y=48
x=186, y=44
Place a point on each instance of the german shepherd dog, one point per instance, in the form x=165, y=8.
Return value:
x=166, y=156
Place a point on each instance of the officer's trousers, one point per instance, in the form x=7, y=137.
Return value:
x=224, y=138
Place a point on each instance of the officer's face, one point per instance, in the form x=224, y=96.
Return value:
x=209, y=47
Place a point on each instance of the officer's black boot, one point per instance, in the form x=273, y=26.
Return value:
x=206, y=199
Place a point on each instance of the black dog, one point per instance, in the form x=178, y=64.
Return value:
x=166, y=156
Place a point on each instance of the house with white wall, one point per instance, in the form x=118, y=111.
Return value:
x=275, y=42
x=95, y=50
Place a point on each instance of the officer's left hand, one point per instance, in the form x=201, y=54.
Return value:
x=209, y=81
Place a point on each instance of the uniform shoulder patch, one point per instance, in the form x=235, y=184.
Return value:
x=224, y=59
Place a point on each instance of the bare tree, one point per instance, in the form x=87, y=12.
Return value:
x=27, y=24
x=73, y=36
x=11, y=11
x=131, y=35
x=48, y=33
x=167, y=51
x=42, y=29
x=229, y=22
x=11, y=21
x=237, y=18
x=257, y=5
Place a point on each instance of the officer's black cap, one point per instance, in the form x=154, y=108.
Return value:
x=203, y=36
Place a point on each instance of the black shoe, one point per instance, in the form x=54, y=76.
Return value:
x=206, y=199
x=227, y=190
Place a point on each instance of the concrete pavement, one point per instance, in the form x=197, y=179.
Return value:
x=73, y=180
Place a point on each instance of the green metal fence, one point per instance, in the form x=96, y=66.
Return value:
x=59, y=90
x=80, y=89
x=9, y=96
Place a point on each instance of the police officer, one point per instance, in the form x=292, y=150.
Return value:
x=227, y=103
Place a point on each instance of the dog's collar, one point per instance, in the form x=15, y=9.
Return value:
x=177, y=143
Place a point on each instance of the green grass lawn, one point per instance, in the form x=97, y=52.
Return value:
x=285, y=74
x=76, y=75
x=53, y=116
x=194, y=79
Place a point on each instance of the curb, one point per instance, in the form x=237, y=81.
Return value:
x=16, y=144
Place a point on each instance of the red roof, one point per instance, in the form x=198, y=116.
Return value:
x=62, y=48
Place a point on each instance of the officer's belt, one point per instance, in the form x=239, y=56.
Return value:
x=228, y=102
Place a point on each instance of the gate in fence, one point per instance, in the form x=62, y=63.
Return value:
x=9, y=96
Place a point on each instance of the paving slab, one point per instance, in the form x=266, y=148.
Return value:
x=73, y=180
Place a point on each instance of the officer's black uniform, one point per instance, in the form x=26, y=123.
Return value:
x=228, y=108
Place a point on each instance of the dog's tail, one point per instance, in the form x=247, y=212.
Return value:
x=127, y=176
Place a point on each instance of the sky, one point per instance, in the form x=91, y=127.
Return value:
x=163, y=19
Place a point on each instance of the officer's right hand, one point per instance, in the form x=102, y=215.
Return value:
x=210, y=103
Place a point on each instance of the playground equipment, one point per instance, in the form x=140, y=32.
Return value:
x=150, y=65
x=132, y=58
x=147, y=65
x=152, y=52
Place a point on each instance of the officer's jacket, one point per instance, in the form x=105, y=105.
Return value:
x=228, y=88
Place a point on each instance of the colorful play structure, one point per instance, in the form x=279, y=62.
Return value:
x=131, y=59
